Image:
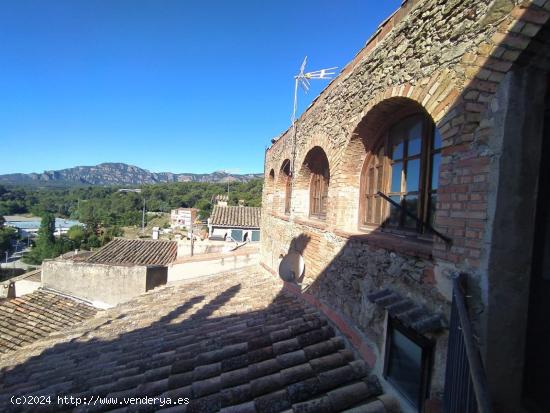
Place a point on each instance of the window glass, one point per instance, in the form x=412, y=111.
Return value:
x=396, y=172
x=415, y=139
x=411, y=203
x=394, y=211
x=255, y=236
x=237, y=234
x=410, y=173
x=413, y=175
x=405, y=366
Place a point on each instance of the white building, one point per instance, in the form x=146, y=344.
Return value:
x=182, y=217
x=239, y=223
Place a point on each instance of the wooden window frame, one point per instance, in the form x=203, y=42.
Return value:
x=427, y=347
x=318, y=194
x=424, y=192
x=285, y=170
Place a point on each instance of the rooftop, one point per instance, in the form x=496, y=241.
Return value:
x=236, y=216
x=33, y=316
x=137, y=252
x=235, y=343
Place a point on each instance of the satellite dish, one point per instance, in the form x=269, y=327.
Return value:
x=291, y=267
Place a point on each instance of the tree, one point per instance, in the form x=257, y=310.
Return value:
x=76, y=234
x=6, y=237
x=45, y=242
x=47, y=229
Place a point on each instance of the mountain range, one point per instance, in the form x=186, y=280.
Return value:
x=117, y=174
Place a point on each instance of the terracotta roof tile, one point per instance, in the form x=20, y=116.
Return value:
x=137, y=252
x=233, y=343
x=236, y=216
x=33, y=316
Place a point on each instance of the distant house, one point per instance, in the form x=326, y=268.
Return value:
x=220, y=200
x=237, y=222
x=182, y=217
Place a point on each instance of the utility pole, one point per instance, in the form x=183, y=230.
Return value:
x=143, y=218
x=192, y=236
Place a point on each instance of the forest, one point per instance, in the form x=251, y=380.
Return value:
x=104, y=210
x=110, y=207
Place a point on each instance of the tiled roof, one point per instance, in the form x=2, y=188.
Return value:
x=33, y=316
x=230, y=343
x=236, y=216
x=135, y=251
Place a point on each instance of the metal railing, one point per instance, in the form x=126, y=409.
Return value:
x=424, y=224
x=466, y=389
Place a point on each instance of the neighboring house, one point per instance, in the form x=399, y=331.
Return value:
x=183, y=217
x=239, y=223
x=122, y=269
x=220, y=200
x=446, y=113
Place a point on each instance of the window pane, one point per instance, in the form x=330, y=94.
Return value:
x=413, y=175
x=405, y=366
x=396, y=172
x=255, y=236
x=397, y=149
x=411, y=203
x=415, y=139
x=395, y=212
x=436, y=164
x=437, y=139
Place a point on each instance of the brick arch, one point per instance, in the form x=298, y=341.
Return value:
x=270, y=181
x=434, y=95
x=284, y=172
x=304, y=168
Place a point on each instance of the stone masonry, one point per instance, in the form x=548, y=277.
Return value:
x=451, y=58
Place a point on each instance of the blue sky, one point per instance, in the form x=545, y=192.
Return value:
x=167, y=85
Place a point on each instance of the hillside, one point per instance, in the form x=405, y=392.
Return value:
x=116, y=174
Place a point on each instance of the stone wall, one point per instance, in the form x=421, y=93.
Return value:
x=451, y=59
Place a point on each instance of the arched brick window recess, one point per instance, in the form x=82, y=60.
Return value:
x=402, y=163
x=285, y=186
x=316, y=163
x=271, y=182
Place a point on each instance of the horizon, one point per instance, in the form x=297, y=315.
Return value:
x=229, y=172
x=166, y=86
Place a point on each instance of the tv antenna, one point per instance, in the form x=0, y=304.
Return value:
x=302, y=79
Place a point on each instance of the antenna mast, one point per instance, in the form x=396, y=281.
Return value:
x=302, y=80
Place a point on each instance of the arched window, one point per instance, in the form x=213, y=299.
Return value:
x=405, y=167
x=287, y=182
x=320, y=176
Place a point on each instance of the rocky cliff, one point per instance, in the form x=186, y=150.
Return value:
x=117, y=174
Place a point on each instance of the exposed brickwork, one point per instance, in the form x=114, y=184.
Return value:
x=448, y=59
